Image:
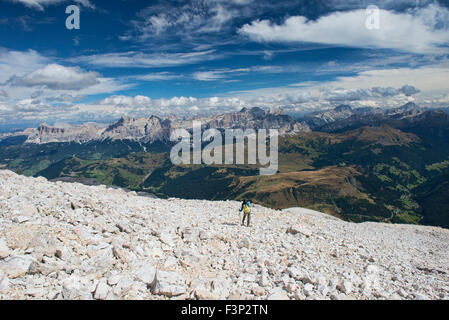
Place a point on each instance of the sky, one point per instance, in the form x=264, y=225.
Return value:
x=202, y=57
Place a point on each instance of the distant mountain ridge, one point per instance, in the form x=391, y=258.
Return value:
x=371, y=165
x=157, y=129
x=343, y=118
x=152, y=129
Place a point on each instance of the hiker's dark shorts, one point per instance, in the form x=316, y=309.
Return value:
x=246, y=215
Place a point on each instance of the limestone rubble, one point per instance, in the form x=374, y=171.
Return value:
x=69, y=241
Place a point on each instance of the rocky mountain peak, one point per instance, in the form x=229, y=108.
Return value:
x=43, y=125
x=140, y=129
x=256, y=118
x=257, y=112
x=278, y=111
x=410, y=106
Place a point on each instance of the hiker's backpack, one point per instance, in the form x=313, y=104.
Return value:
x=246, y=208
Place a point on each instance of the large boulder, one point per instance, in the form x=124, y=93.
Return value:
x=16, y=266
x=43, y=243
x=145, y=273
x=76, y=288
x=102, y=256
x=102, y=290
x=278, y=294
x=169, y=284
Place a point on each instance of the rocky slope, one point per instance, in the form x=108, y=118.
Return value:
x=70, y=241
x=152, y=129
x=142, y=129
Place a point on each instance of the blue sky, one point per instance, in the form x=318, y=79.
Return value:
x=203, y=57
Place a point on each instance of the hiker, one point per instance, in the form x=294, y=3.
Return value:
x=246, y=208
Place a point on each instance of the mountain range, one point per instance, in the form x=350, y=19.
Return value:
x=358, y=164
x=345, y=117
x=152, y=129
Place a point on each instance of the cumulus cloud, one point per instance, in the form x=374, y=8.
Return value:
x=18, y=62
x=382, y=87
x=295, y=100
x=56, y=77
x=188, y=106
x=347, y=95
x=406, y=90
x=385, y=92
x=409, y=90
x=126, y=101
x=28, y=74
x=65, y=97
x=415, y=31
x=429, y=79
x=193, y=20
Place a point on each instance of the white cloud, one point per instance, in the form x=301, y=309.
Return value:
x=28, y=74
x=145, y=60
x=372, y=94
x=126, y=101
x=40, y=4
x=56, y=77
x=67, y=98
x=17, y=62
x=182, y=19
x=415, y=31
x=118, y=105
x=429, y=79
x=219, y=74
x=294, y=99
x=376, y=88
x=408, y=90
x=213, y=75
x=208, y=75
x=379, y=88
x=104, y=85
x=158, y=76
x=426, y=85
